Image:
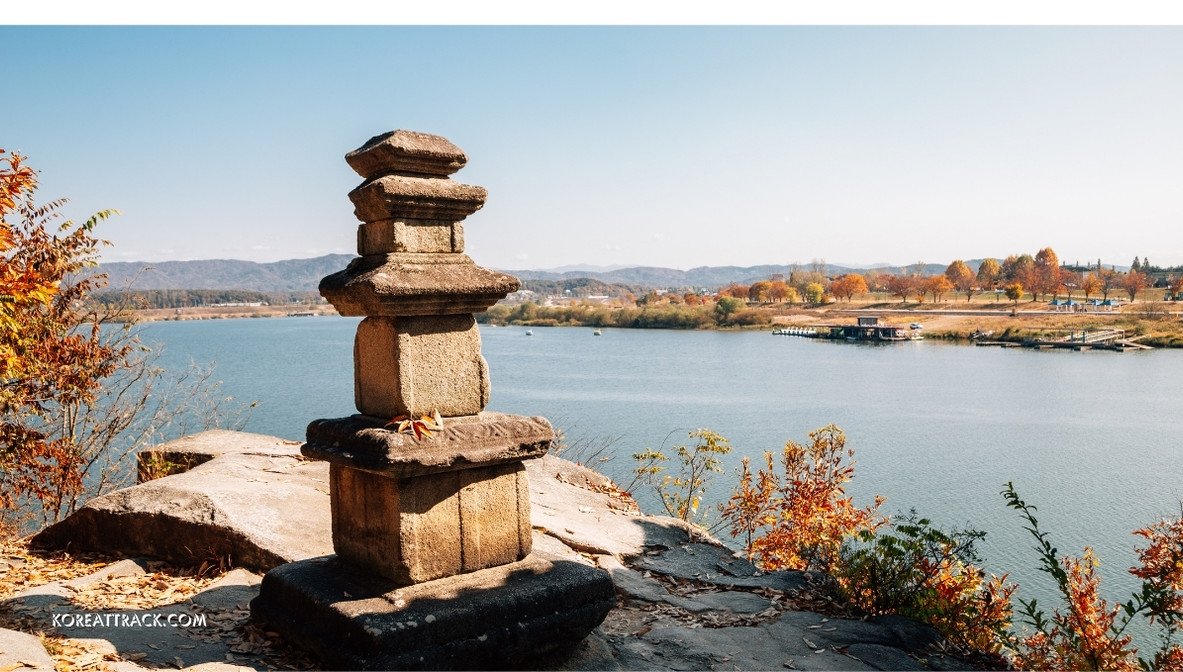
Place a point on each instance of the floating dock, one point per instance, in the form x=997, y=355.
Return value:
x=1105, y=339
x=868, y=330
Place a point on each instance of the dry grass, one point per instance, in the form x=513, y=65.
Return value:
x=164, y=584
x=21, y=568
x=1154, y=323
x=226, y=312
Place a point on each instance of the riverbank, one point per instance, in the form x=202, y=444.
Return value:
x=229, y=312
x=1165, y=331
x=1152, y=324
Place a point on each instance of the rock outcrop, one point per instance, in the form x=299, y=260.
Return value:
x=684, y=600
x=249, y=498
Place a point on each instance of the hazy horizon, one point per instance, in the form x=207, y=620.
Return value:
x=607, y=268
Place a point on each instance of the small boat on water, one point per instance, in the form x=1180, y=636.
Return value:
x=529, y=332
x=597, y=332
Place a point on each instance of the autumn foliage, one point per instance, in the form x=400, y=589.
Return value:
x=20, y=285
x=1089, y=633
x=798, y=516
x=52, y=352
x=795, y=514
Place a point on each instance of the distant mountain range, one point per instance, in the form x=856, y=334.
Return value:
x=708, y=277
x=289, y=275
x=305, y=274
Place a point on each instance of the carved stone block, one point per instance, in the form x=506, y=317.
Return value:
x=416, y=365
x=406, y=152
x=411, y=235
x=403, y=196
x=404, y=284
x=482, y=440
x=421, y=528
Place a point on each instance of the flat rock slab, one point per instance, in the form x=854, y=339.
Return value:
x=711, y=563
x=22, y=652
x=592, y=522
x=260, y=507
x=513, y=616
x=632, y=585
x=796, y=640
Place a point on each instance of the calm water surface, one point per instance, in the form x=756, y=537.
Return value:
x=1093, y=438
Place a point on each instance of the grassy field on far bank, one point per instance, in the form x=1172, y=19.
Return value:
x=1153, y=323
x=228, y=312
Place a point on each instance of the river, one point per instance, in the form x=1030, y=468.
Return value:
x=1092, y=438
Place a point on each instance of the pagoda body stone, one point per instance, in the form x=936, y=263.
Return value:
x=443, y=510
x=461, y=494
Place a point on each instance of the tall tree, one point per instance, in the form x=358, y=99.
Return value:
x=961, y=277
x=21, y=285
x=1134, y=282
x=901, y=285
x=988, y=274
x=937, y=286
x=1109, y=281
x=759, y=291
x=1027, y=275
x=77, y=394
x=1047, y=266
x=735, y=290
x=53, y=354
x=1070, y=280
x=1091, y=284
x=846, y=286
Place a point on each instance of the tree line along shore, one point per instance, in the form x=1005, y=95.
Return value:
x=1019, y=298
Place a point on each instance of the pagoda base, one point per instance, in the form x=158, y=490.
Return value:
x=520, y=615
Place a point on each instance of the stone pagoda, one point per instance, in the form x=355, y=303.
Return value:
x=433, y=566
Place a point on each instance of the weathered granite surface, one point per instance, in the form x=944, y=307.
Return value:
x=486, y=439
x=407, y=152
x=400, y=284
x=20, y=651
x=511, y=616
x=682, y=602
x=251, y=498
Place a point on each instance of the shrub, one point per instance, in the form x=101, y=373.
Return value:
x=800, y=517
x=681, y=492
x=917, y=570
x=77, y=393
x=1089, y=633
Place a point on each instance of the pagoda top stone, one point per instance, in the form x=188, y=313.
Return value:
x=406, y=153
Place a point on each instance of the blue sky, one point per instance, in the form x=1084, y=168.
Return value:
x=650, y=146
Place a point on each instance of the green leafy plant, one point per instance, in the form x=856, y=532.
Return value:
x=915, y=569
x=681, y=490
